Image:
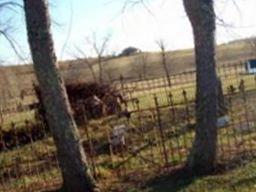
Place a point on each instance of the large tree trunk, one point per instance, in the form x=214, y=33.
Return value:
x=202, y=17
x=71, y=156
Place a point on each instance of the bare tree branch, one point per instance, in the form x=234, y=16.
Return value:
x=86, y=59
x=14, y=45
x=69, y=30
x=99, y=48
x=133, y=3
x=162, y=46
x=5, y=27
x=9, y=5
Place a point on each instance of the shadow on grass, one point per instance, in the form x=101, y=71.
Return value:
x=230, y=175
x=176, y=181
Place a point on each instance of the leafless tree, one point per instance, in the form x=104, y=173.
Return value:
x=99, y=48
x=162, y=46
x=73, y=163
x=88, y=61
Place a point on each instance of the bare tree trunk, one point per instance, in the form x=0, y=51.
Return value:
x=92, y=72
x=202, y=17
x=161, y=45
x=90, y=66
x=166, y=68
x=100, y=69
x=99, y=49
x=71, y=156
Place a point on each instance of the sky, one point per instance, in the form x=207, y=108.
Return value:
x=138, y=25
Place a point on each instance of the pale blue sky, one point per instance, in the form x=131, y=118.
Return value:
x=74, y=20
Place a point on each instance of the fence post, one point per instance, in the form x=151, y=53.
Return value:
x=184, y=93
x=137, y=102
x=160, y=126
x=89, y=140
x=236, y=73
x=171, y=103
x=110, y=148
x=231, y=115
x=242, y=91
x=17, y=146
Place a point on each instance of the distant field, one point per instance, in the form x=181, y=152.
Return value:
x=14, y=79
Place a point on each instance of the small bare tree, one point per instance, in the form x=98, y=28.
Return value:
x=162, y=46
x=88, y=61
x=99, y=48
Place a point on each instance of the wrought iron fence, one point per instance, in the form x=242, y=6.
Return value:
x=154, y=132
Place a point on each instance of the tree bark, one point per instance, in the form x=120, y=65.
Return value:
x=203, y=153
x=71, y=156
